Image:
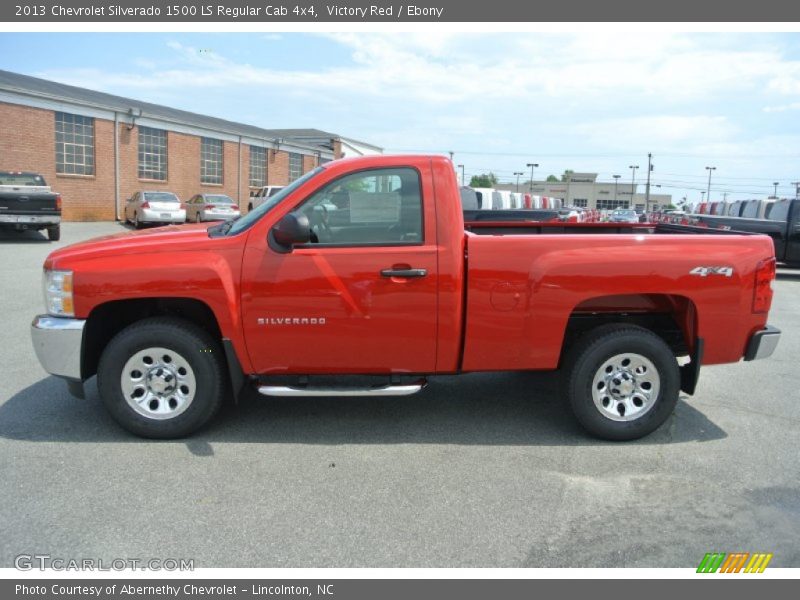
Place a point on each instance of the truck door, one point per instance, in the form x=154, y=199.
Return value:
x=361, y=297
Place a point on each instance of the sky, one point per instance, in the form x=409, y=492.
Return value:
x=586, y=101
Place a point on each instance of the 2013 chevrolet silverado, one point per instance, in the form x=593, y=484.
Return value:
x=362, y=278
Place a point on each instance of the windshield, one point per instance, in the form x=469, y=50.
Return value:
x=254, y=215
x=219, y=199
x=160, y=197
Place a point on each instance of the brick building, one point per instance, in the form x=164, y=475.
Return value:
x=97, y=149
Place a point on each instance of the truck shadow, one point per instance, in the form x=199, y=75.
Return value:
x=28, y=236
x=478, y=409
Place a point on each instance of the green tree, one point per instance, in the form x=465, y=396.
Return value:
x=484, y=180
x=566, y=174
x=552, y=179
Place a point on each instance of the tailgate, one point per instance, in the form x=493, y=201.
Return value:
x=28, y=203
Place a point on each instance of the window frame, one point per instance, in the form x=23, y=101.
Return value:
x=204, y=176
x=139, y=153
x=289, y=170
x=401, y=243
x=264, y=166
x=88, y=169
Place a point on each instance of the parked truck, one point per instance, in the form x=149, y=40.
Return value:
x=781, y=223
x=388, y=286
x=27, y=202
x=261, y=195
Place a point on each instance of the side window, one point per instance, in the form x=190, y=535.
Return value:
x=778, y=211
x=380, y=206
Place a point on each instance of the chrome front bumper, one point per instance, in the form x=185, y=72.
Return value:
x=763, y=343
x=57, y=342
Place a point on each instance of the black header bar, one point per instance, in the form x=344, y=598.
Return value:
x=383, y=11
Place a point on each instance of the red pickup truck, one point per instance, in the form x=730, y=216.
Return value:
x=361, y=278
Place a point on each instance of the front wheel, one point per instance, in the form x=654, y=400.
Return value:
x=622, y=382
x=162, y=378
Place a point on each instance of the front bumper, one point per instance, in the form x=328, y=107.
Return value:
x=763, y=343
x=57, y=342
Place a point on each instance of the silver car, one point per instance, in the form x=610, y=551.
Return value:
x=211, y=207
x=624, y=215
x=154, y=207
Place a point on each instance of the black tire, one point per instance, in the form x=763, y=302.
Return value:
x=249, y=207
x=584, y=361
x=192, y=344
x=54, y=233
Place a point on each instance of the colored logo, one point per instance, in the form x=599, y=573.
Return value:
x=736, y=562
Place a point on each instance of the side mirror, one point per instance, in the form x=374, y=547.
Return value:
x=292, y=229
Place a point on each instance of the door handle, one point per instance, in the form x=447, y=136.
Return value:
x=406, y=273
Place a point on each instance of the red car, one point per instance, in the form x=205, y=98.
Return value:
x=365, y=268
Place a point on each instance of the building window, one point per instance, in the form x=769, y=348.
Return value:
x=258, y=166
x=152, y=153
x=74, y=144
x=580, y=202
x=211, y=161
x=295, y=166
x=606, y=204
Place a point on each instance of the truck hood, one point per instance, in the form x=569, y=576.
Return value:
x=172, y=238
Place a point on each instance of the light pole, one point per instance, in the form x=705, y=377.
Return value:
x=702, y=197
x=463, y=177
x=633, y=182
x=531, y=165
x=708, y=190
x=518, y=173
x=775, y=194
x=616, y=181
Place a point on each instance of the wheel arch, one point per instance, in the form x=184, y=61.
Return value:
x=108, y=319
x=672, y=317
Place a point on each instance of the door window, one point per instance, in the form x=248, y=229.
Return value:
x=376, y=207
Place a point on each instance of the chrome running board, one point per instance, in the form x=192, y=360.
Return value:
x=284, y=391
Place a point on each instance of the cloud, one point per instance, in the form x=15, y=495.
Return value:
x=453, y=68
x=782, y=107
x=664, y=131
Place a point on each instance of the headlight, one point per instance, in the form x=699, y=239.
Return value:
x=58, y=293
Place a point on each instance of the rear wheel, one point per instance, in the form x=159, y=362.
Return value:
x=54, y=233
x=162, y=378
x=622, y=382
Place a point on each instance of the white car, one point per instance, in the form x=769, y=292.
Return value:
x=211, y=207
x=154, y=207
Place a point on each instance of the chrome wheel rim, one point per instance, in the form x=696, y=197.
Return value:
x=625, y=387
x=158, y=383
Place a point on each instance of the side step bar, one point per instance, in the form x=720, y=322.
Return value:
x=284, y=391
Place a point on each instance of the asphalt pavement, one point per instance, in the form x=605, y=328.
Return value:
x=484, y=470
